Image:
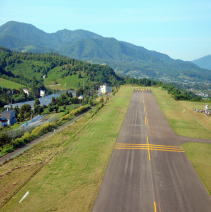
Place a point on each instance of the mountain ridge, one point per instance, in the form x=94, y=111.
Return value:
x=203, y=62
x=123, y=57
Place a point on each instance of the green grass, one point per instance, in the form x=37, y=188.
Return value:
x=10, y=84
x=70, y=182
x=182, y=117
x=26, y=70
x=58, y=81
x=200, y=157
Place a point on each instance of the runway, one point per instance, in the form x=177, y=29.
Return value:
x=148, y=170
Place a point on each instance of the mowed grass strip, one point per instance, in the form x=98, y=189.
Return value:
x=182, y=117
x=72, y=180
x=10, y=84
x=17, y=172
x=200, y=156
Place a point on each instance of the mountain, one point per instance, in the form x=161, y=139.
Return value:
x=203, y=62
x=123, y=57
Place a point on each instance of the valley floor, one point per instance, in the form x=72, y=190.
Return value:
x=65, y=171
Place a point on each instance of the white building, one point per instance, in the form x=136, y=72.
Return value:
x=104, y=89
x=42, y=93
x=80, y=97
x=207, y=110
x=26, y=91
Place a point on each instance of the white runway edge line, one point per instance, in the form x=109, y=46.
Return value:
x=24, y=196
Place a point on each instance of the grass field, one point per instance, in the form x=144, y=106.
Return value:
x=181, y=116
x=26, y=70
x=200, y=157
x=69, y=82
x=57, y=81
x=70, y=181
x=10, y=84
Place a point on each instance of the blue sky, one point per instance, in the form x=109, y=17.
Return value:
x=181, y=29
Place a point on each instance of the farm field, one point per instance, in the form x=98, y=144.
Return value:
x=66, y=168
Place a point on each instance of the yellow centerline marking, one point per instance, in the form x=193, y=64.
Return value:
x=149, y=157
x=155, y=207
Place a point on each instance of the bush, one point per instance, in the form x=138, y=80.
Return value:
x=38, y=131
x=18, y=142
x=4, y=139
x=75, y=112
x=7, y=149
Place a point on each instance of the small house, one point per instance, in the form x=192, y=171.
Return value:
x=9, y=116
x=81, y=97
x=42, y=93
x=104, y=89
x=26, y=91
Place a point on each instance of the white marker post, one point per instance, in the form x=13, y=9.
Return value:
x=24, y=196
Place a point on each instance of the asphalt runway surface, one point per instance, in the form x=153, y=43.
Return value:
x=148, y=170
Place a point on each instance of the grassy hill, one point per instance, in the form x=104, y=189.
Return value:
x=58, y=80
x=51, y=70
x=9, y=84
x=123, y=57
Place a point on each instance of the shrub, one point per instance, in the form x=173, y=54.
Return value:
x=38, y=131
x=7, y=149
x=75, y=112
x=4, y=139
x=18, y=142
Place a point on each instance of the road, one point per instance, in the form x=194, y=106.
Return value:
x=148, y=170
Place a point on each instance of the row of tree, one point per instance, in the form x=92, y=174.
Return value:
x=176, y=92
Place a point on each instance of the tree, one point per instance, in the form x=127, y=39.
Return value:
x=25, y=112
x=37, y=102
x=38, y=109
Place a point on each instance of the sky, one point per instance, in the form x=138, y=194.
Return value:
x=179, y=28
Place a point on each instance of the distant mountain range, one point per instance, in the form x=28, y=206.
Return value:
x=124, y=57
x=203, y=62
